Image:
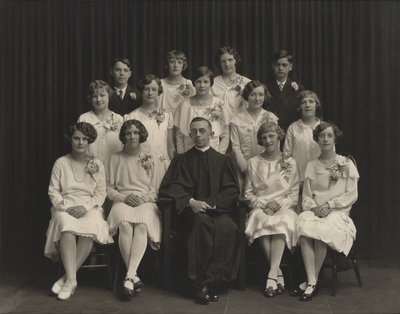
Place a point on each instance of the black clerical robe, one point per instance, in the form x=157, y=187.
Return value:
x=212, y=238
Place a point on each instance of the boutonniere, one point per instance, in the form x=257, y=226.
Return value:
x=91, y=165
x=339, y=169
x=286, y=166
x=294, y=86
x=214, y=113
x=146, y=161
x=133, y=96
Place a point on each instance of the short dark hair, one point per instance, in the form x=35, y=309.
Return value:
x=122, y=60
x=147, y=80
x=178, y=55
x=311, y=94
x=86, y=128
x=250, y=86
x=203, y=71
x=139, y=125
x=98, y=84
x=323, y=126
x=281, y=54
x=223, y=50
x=269, y=127
x=196, y=119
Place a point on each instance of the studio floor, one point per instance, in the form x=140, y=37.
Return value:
x=25, y=289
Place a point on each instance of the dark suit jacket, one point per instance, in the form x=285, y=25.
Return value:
x=126, y=105
x=284, y=103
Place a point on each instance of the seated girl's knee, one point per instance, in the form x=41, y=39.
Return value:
x=140, y=228
x=125, y=226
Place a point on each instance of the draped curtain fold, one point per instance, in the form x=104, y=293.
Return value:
x=345, y=51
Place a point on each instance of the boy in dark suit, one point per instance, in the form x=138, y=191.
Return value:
x=124, y=100
x=283, y=89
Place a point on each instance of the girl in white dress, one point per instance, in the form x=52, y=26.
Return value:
x=272, y=187
x=132, y=187
x=176, y=88
x=245, y=124
x=330, y=189
x=202, y=105
x=77, y=191
x=158, y=123
x=299, y=142
x=106, y=122
x=229, y=85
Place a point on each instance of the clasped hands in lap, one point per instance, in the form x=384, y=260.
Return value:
x=200, y=206
x=321, y=211
x=133, y=200
x=271, y=208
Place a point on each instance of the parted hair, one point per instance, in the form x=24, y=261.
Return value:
x=281, y=54
x=269, y=127
x=122, y=60
x=139, y=125
x=323, y=126
x=203, y=71
x=147, y=80
x=86, y=128
x=196, y=119
x=311, y=94
x=96, y=85
x=250, y=86
x=223, y=50
x=178, y=55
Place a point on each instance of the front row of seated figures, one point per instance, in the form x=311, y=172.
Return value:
x=204, y=187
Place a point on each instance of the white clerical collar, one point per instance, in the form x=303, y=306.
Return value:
x=283, y=83
x=203, y=149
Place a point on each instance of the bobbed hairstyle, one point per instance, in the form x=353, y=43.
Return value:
x=310, y=94
x=143, y=133
x=203, y=71
x=323, y=126
x=269, y=127
x=250, y=86
x=223, y=50
x=281, y=54
x=86, y=128
x=96, y=85
x=146, y=81
x=196, y=119
x=178, y=55
x=122, y=60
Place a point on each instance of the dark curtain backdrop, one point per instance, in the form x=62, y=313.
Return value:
x=346, y=51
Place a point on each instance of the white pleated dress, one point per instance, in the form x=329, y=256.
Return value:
x=337, y=185
x=134, y=174
x=68, y=189
x=266, y=181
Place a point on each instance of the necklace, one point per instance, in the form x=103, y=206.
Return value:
x=73, y=171
x=269, y=157
x=204, y=103
x=327, y=162
x=178, y=82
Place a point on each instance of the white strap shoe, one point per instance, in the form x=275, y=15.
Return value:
x=67, y=290
x=57, y=286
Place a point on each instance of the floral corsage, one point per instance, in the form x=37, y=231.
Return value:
x=237, y=83
x=185, y=90
x=92, y=166
x=286, y=166
x=339, y=169
x=294, y=86
x=113, y=125
x=214, y=113
x=133, y=96
x=146, y=162
x=158, y=115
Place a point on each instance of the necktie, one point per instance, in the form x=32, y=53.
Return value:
x=121, y=94
x=280, y=86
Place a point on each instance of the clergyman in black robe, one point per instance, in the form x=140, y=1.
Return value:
x=203, y=185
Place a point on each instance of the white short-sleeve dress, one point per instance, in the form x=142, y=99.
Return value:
x=133, y=174
x=337, y=185
x=68, y=188
x=173, y=95
x=266, y=181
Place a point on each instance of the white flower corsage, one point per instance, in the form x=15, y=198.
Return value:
x=133, y=96
x=294, y=86
x=146, y=162
x=91, y=165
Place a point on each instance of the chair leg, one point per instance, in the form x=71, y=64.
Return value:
x=356, y=268
x=116, y=273
x=334, y=273
x=109, y=270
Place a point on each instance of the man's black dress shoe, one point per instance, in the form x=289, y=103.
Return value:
x=212, y=295
x=202, y=296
